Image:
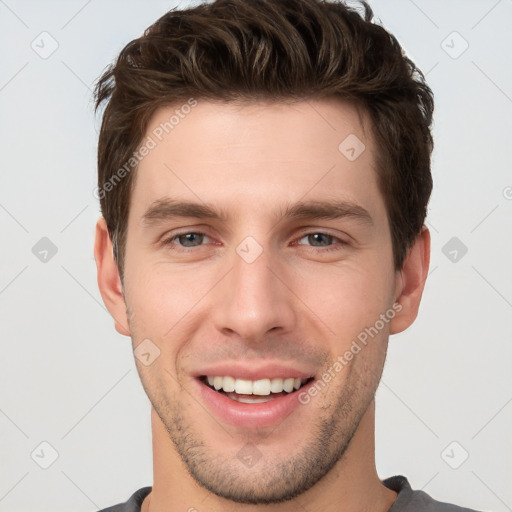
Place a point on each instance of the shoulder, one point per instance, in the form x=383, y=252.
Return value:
x=133, y=504
x=409, y=500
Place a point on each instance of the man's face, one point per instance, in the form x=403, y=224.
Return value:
x=256, y=293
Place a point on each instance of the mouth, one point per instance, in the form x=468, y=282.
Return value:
x=256, y=396
x=254, y=391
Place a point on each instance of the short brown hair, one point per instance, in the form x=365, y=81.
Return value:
x=278, y=50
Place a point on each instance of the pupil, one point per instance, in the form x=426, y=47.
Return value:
x=317, y=237
x=190, y=239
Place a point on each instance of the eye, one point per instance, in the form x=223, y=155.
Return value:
x=188, y=240
x=320, y=240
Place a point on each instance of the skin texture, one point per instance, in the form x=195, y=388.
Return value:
x=303, y=301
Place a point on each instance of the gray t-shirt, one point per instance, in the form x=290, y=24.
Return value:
x=406, y=501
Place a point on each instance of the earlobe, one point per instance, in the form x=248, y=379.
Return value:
x=109, y=281
x=410, y=282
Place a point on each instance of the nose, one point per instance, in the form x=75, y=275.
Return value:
x=254, y=299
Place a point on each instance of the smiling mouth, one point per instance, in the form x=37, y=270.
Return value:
x=253, y=392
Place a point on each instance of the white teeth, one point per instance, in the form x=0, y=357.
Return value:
x=276, y=386
x=252, y=400
x=262, y=387
x=228, y=384
x=243, y=387
x=288, y=385
x=217, y=383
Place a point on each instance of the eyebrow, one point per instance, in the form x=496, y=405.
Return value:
x=167, y=208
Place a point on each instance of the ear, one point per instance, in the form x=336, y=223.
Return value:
x=410, y=282
x=109, y=281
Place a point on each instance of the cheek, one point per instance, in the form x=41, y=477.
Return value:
x=347, y=297
x=161, y=296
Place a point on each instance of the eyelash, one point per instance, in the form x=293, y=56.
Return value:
x=335, y=246
x=337, y=243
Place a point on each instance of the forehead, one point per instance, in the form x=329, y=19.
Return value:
x=258, y=151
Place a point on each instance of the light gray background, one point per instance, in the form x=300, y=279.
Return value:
x=68, y=379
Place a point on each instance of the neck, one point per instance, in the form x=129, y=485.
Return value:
x=351, y=485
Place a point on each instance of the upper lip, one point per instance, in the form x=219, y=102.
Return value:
x=238, y=370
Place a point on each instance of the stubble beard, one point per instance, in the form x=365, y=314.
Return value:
x=270, y=480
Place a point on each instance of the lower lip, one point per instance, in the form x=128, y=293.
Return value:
x=256, y=415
